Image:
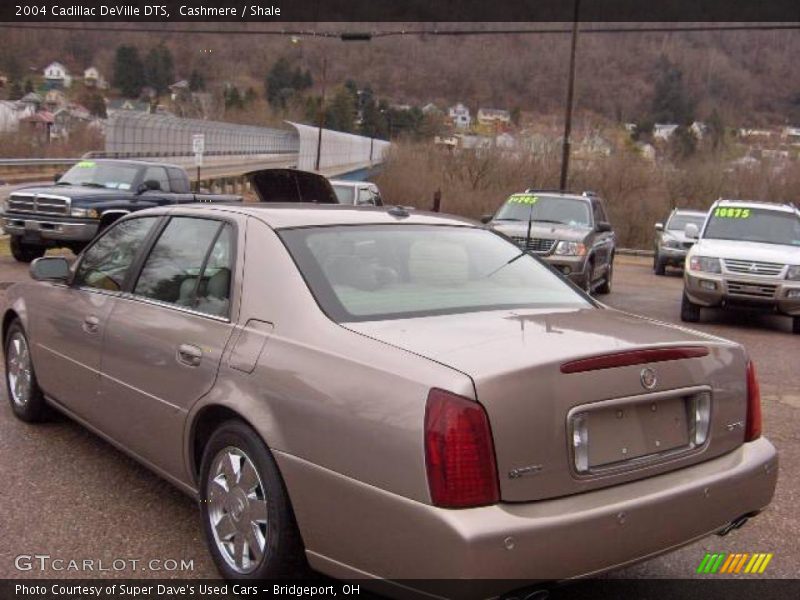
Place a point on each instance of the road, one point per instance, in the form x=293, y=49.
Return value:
x=67, y=494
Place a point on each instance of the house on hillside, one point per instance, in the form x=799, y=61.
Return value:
x=791, y=135
x=430, y=108
x=699, y=129
x=11, y=113
x=492, y=121
x=93, y=79
x=122, y=104
x=664, y=131
x=57, y=76
x=54, y=99
x=33, y=100
x=68, y=118
x=459, y=115
x=40, y=123
x=179, y=91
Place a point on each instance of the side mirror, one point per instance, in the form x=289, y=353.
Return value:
x=486, y=218
x=659, y=227
x=50, y=268
x=691, y=231
x=56, y=177
x=603, y=227
x=150, y=184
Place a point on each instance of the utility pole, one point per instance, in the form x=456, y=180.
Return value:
x=321, y=119
x=565, y=147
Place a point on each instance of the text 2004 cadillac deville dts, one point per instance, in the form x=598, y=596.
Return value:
x=388, y=394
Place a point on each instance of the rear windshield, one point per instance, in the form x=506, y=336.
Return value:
x=378, y=272
x=678, y=222
x=545, y=209
x=753, y=225
x=344, y=193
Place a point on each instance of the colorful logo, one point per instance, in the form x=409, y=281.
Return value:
x=736, y=563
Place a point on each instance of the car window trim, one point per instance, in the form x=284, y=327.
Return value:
x=204, y=264
x=82, y=256
x=129, y=291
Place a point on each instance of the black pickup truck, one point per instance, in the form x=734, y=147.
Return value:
x=89, y=197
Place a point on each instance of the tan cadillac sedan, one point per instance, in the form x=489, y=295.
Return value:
x=388, y=394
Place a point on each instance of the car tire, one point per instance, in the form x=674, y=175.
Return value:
x=796, y=325
x=23, y=391
x=659, y=267
x=605, y=287
x=587, y=281
x=247, y=517
x=690, y=312
x=25, y=252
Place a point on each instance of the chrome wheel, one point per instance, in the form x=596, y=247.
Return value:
x=237, y=509
x=18, y=369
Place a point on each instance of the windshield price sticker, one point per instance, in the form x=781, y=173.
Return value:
x=523, y=199
x=86, y=164
x=732, y=213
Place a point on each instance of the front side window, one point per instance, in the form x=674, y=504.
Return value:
x=541, y=208
x=190, y=266
x=753, y=225
x=105, y=263
x=378, y=272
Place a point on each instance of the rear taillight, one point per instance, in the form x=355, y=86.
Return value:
x=459, y=453
x=752, y=429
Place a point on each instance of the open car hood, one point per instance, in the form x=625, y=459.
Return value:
x=291, y=185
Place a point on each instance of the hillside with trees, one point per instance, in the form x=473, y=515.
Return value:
x=739, y=78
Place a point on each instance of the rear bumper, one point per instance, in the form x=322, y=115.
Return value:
x=372, y=533
x=43, y=228
x=734, y=290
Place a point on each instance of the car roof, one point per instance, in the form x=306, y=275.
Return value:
x=788, y=208
x=349, y=183
x=689, y=211
x=133, y=163
x=287, y=215
x=587, y=196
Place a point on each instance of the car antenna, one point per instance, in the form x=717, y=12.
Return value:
x=530, y=221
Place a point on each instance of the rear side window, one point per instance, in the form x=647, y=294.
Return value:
x=158, y=174
x=106, y=263
x=178, y=183
x=190, y=266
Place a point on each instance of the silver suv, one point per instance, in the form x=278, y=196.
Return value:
x=671, y=243
x=569, y=231
x=748, y=253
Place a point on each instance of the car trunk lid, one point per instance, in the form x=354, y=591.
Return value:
x=539, y=409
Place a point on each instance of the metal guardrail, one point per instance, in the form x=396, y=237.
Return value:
x=37, y=162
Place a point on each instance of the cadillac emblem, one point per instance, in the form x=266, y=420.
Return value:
x=648, y=378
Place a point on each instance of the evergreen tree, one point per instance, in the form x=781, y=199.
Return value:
x=282, y=82
x=128, y=71
x=341, y=112
x=15, y=91
x=28, y=86
x=94, y=103
x=232, y=97
x=716, y=130
x=197, y=83
x=671, y=102
x=159, y=69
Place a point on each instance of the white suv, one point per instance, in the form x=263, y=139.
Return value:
x=747, y=254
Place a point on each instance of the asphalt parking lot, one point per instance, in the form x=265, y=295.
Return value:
x=67, y=494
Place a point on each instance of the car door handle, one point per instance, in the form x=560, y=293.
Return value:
x=91, y=324
x=189, y=355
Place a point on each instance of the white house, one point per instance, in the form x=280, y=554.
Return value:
x=699, y=129
x=93, y=78
x=11, y=113
x=664, y=131
x=791, y=134
x=56, y=75
x=460, y=116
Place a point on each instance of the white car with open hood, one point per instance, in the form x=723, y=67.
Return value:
x=747, y=254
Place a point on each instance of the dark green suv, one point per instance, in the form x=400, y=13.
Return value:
x=570, y=231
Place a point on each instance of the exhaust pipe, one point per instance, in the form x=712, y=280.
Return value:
x=735, y=524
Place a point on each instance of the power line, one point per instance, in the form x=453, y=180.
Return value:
x=586, y=29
